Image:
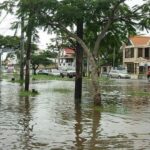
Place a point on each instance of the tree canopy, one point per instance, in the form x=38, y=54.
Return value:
x=9, y=41
x=43, y=58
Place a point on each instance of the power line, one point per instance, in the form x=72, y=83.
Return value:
x=5, y=28
x=3, y=18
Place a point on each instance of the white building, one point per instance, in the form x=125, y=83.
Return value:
x=66, y=59
x=136, y=55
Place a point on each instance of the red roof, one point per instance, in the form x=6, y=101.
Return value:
x=69, y=51
x=140, y=40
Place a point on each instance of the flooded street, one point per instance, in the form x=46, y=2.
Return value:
x=50, y=120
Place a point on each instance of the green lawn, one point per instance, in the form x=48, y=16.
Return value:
x=49, y=77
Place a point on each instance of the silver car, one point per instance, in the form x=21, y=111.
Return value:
x=54, y=72
x=121, y=74
x=68, y=73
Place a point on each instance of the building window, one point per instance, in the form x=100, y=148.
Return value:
x=140, y=52
x=129, y=53
x=141, y=69
x=146, y=52
x=69, y=60
x=61, y=60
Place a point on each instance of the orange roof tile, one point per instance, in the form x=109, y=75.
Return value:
x=140, y=40
x=69, y=51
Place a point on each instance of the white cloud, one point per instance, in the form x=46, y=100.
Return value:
x=134, y=2
x=44, y=39
x=5, y=25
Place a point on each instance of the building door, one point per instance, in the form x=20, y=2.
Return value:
x=130, y=67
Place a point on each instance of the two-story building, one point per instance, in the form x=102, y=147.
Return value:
x=66, y=59
x=136, y=55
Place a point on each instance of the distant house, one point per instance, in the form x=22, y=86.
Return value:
x=66, y=59
x=136, y=55
x=105, y=68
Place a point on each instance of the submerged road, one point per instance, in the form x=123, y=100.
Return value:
x=51, y=121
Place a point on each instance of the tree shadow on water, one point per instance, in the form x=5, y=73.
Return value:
x=82, y=142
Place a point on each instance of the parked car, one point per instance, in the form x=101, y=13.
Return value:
x=68, y=73
x=63, y=73
x=44, y=72
x=71, y=73
x=119, y=74
x=54, y=72
x=104, y=74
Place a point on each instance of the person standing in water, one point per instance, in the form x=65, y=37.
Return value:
x=148, y=74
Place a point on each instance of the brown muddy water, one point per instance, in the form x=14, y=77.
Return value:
x=50, y=120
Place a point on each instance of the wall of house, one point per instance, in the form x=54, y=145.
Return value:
x=67, y=63
x=135, y=63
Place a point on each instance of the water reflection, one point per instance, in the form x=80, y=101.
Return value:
x=0, y=93
x=50, y=120
x=24, y=121
x=87, y=128
x=79, y=140
x=96, y=116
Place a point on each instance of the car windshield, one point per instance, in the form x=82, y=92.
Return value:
x=123, y=71
x=119, y=71
x=55, y=70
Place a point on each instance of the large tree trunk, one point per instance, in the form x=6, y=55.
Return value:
x=96, y=87
x=27, y=73
x=0, y=66
x=34, y=67
x=95, y=82
x=96, y=118
x=94, y=76
x=34, y=71
x=79, y=58
x=28, y=52
x=95, y=91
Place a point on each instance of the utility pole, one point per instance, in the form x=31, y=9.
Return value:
x=0, y=65
x=1, y=51
x=79, y=63
x=114, y=53
x=22, y=50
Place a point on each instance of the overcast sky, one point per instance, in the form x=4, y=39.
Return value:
x=5, y=24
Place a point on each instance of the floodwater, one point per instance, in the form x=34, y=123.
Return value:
x=50, y=120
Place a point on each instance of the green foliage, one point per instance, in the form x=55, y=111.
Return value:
x=113, y=108
x=139, y=93
x=14, y=43
x=96, y=14
x=27, y=93
x=105, y=80
x=7, y=5
x=40, y=59
x=49, y=54
x=43, y=58
x=9, y=41
x=60, y=42
x=49, y=77
x=61, y=90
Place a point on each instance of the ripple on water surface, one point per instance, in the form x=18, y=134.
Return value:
x=51, y=121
